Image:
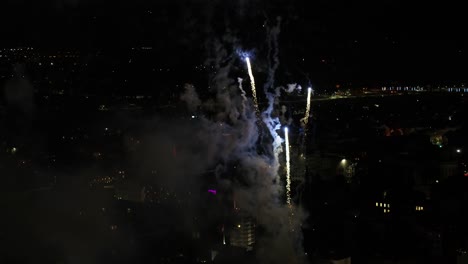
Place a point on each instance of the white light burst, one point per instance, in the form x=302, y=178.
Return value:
x=305, y=120
x=252, y=84
x=288, y=167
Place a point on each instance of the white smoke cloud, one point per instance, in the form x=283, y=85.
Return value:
x=232, y=135
x=190, y=96
x=292, y=87
x=19, y=92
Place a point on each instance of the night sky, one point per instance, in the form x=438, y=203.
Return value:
x=362, y=43
x=165, y=131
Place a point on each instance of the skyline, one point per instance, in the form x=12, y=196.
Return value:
x=326, y=41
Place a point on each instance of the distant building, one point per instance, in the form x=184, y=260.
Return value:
x=448, y=169
x=243, y=233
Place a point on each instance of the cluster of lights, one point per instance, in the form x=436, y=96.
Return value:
x=103, y=180
x=29, y=53
x=385, y=206
x=465, y=90
x=404, y=88
x=419, y=208
x=17, y=49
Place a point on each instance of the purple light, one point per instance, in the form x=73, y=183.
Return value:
x=212, y=191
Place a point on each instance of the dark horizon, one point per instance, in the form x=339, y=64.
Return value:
x=363, y=42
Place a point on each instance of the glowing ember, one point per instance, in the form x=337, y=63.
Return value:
x=288, y=167
x=252, y=84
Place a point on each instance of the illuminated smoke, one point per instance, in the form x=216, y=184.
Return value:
x=244, y=97
x=288, y=167
x=221, y=140
x=252, y=84
x=273, y=52
x=273, y=124
x=292, y=87
x=190, y=96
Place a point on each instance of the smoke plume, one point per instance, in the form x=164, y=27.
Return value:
x=232, y=136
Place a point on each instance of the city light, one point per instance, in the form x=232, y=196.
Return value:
x=458, y=150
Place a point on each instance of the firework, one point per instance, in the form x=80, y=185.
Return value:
x=252, y=84
x=288, y=167
x=305, y=120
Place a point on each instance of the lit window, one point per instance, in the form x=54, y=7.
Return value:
x=377, y=204
x=380, y=204
x=388, y=211
x=384, y=205
x=385, y=210
x=388, y=205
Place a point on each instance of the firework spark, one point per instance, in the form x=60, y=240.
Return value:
x=288, y=167
x=252, y=84
x=305, y=120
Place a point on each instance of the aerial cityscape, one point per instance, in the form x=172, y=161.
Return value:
x=239, y=131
